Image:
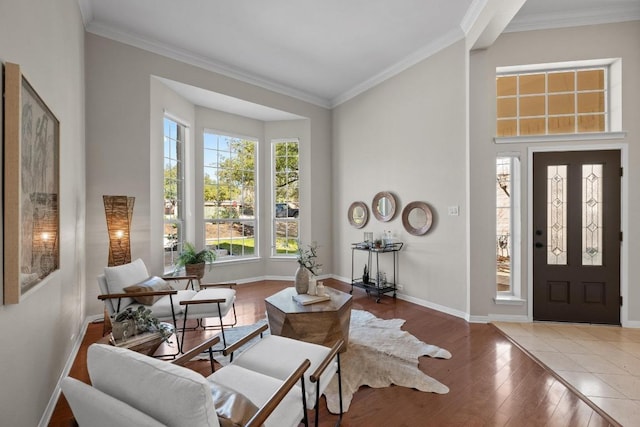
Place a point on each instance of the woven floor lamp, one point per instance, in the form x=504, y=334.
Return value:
x=119, y=211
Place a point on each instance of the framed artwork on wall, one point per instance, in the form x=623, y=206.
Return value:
x=31, y=187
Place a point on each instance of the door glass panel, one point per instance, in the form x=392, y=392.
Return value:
x=557, y=215
x=592, y=214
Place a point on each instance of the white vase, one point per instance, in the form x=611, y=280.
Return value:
x=302, y=280
x=312, y=285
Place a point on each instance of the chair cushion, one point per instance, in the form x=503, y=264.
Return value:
x=91, y=407
x=258, y=388
x=289, y=353
x=121, y=276
x=161, y=309
x=171, y=394
x=197, y=311
x=150, y=284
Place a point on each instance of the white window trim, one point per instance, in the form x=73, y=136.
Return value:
x=272, y=243
x=198, y=204
x=614, y=100
x=186, y=223
x=513, y=296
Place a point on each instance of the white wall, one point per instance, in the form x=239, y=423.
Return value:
x=46, y=39
x=120, y=107
x=407, y=135
x=579, y=43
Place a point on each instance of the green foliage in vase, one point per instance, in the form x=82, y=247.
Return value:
x=190, y=255
x=144, y=321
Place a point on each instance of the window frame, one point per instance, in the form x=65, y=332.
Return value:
x=515, y=225
x=179, y=221
x=613, y=100
x=274, y=202
x=200, y=200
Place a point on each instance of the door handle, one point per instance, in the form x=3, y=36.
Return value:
x=539, y=245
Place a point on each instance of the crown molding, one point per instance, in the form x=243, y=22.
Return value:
x=192, y=58
x=472, y=15
x=86, y=10
x=432, y=48
x=573, y=19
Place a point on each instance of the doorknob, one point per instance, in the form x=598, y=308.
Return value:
x=539, y=245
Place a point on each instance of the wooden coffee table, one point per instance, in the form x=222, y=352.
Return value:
x=321, y=323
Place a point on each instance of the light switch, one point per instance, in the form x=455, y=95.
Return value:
x=454, y=211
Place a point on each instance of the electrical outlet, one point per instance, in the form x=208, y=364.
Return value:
x=399, y=287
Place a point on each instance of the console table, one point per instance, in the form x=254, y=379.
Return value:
x=375, y=285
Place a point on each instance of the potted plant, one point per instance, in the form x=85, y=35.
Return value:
x=194, y=261
x=130, y=322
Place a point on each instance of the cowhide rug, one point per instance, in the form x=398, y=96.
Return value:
x=379, y=354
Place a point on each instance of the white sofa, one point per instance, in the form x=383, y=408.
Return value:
x=129, y=388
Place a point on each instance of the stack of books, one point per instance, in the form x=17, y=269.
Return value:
x=306, y=299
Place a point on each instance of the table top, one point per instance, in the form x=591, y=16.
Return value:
x=284, y=302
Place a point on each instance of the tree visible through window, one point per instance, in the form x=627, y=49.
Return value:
x=286, y=209
x=174, y=136
x=507, y=225
x=229, y=195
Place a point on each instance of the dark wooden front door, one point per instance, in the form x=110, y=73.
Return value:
x=576, y=236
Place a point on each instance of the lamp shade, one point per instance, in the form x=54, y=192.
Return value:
x=119, y=212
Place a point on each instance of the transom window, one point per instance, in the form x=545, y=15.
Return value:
x=286, y=208
x=230, y=195
x=552, y=101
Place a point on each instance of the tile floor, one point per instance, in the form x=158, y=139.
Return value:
x=602, y=362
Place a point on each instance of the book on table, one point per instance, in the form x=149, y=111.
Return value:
x=306, y=299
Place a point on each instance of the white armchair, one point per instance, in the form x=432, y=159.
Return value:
x=286, y=353
x=130, y=285
x=129, y=388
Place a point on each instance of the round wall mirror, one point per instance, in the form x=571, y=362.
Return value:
x=384, y=206
x=358, y=214
x=417, y=218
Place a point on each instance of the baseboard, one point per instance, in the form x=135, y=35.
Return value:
x=53, y=401
x=433, y=306
x=418, y=301
x=478, y=319
x=522, y=318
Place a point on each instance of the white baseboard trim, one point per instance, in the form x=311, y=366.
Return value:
x=631, y=324
x=53, y=400
x=433, y=306
x=516, y=318
x=418, y=301
x=478, y=319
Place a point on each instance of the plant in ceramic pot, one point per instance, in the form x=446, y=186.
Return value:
x=307, y=263
x=194, y=261
x=130, y=322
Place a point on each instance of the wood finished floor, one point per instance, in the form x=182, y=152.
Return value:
x=491, y=381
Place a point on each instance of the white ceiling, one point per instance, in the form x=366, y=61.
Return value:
x=320, y=51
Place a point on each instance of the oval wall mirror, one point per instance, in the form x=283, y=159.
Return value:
x=384, y=206
x=358, y=214
x=417, y=218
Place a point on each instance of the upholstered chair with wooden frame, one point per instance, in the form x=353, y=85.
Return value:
x=129, y=388
x=130, y=285
x=275, y=356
